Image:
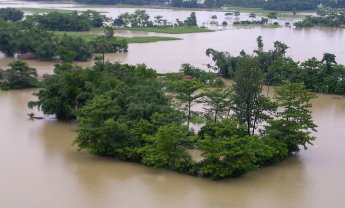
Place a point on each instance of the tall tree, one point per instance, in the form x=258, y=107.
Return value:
x=185, y=91
x=217, y=103
x=249, y=105
x=19, y=75
x=294, y=124
x=191, y=20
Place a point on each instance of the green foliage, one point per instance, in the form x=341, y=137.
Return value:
x=62, y=21
x=139, y=18
x=73, y=49
x=294, y=124
x=124, y=111
x=279, y=5
x=327, y=18
x=66, y=91
x=167, y=148
x=185, y=91
x=232, y=156
x=250, y=107
x=11, y=14
x=202, y=76
x=191, y=20
x=47, y=46
x=224, y=128
x=99, y=131
x=217, y=103
x=95, y=19
x=186, y=4
x=325, y=76
x=18, y=76
x=103, y=44
x=272, y=15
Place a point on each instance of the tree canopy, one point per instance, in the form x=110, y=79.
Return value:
x=128, y=112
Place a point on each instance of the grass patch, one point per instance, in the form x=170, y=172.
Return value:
x=148, y=39
x=169, y=30
x=91, y=35
x=42, y=10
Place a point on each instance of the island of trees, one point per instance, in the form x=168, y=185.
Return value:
x=326, y=18
x=128, y=112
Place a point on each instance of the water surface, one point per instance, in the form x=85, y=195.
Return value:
x=40, y=168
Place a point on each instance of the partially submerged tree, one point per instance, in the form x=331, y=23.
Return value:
x=19, y=75
x=294, y=123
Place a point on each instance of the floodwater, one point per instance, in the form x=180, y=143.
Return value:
x=39, y=167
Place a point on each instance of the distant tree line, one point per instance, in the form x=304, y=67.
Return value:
x=282, y=5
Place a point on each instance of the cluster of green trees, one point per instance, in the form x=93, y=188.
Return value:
x=71, y=21
x=185, y=4
x=324, y=76
x=22, y=38
x=127, y=112
x=140, y=18
x=112, y=2
x=326, y=18
x=18, y=76
x=11, y=14
x=263, y=21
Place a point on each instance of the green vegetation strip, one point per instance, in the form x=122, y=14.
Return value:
x=170, y=30
x=148, y=39
x=43, y=10
x=89, y=36
x=47, y=10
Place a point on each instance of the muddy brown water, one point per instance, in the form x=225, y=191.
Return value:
x=39, y=167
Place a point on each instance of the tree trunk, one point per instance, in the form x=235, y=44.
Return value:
x=103, y=58
x=188, y=118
